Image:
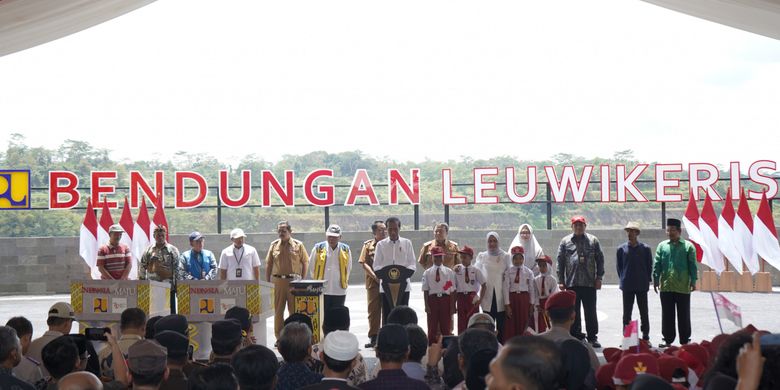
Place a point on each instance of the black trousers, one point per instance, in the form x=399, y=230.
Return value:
x=387, y=303
x=586, y=298
x=330, y=301
x=671, y=301
x=498, y=316
x=628, y=307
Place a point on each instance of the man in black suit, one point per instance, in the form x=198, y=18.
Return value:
x=339, y=350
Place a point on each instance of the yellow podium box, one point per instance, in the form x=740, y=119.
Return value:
x=100, y=303
x=309, y=301
x=206, y=301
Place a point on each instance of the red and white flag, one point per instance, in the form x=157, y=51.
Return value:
x=727, y=309
x=142, y=232
x=88, y=240
x=631, y=335
x=126, y=221
x=691, y=223
x=159, y=217
x=743, y=230
x=708, y=225
x=105, y=223
x=727, y=239
x=765, y=234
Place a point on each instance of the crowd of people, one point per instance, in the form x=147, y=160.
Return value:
x=517, y=313
x=156, y=353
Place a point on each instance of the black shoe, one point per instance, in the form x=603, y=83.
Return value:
x=371, y=343
x=594, y=343
x=684, y=342
x=647, y=340
x=664, y=345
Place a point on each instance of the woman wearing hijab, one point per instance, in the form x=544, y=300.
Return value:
x=525, y=238
x=493, y=262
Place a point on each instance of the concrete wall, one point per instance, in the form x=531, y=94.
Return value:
x=45, y=265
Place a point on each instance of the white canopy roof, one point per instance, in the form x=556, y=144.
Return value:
x=28, y=23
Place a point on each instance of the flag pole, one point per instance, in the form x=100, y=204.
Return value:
x=716, y=311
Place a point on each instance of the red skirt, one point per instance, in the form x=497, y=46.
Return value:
x=520, y=302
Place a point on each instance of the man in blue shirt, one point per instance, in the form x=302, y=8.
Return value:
x=635, y=269
x=198, y=263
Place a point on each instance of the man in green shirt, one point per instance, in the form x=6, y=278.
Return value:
x=674, y=271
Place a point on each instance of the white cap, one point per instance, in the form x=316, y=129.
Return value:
x=333, y=231
x=340, y=345
x=116, y=228
x=236, y=233
x=63, y=310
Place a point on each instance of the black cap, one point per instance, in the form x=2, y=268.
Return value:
x=392, y=338
x=673, y=222
x=336, y=318
x=175, y=342
x=299, y=317
x=175, y=322
x=226, y=330
x=242, y=315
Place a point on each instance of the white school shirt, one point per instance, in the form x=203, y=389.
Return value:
x=550, y=286
x=247, y=258
x=476, y=278
x=332, y=274
x=398, y=252
x=446, y=283
x=526, y=283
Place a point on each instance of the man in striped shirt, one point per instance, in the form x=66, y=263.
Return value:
x=113, y=259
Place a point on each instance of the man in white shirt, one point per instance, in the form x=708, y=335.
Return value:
x=394, y=250
x=332, y=262
x=239, y=261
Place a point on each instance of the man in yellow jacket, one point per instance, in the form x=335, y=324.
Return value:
x=332, y=262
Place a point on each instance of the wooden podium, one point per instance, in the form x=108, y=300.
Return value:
x=100, y=303
x=206, y=301
x=308, y=301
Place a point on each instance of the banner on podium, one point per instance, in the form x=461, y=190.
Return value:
x=101, y=302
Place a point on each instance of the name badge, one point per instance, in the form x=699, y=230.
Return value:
x=581, y=257
x=239, y=272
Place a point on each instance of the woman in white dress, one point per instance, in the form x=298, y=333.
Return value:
x=493, y=262
x=525, y=237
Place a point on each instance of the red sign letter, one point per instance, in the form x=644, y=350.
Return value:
x=361, y=186
x=203, y=190
x=287, y=195
x=327, y=190
x=137, y=180
x=98, y=189
x=396, y=180
x=69, y=189
x=246, y=189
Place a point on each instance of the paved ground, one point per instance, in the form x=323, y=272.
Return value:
x=758, y=309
